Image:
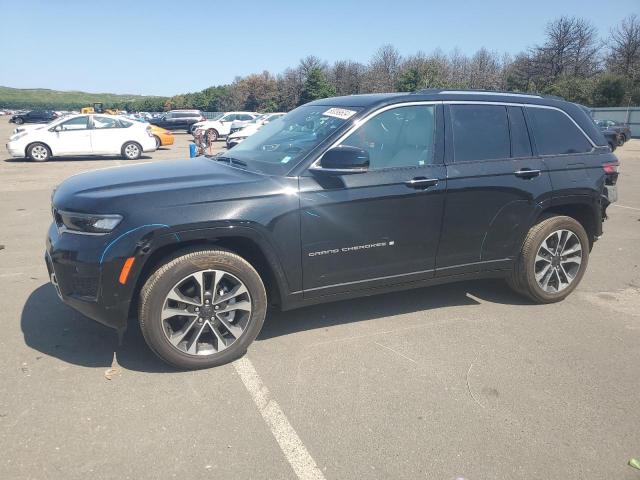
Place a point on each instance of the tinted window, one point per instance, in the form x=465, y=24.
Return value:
x=556, y=134
x=78, y=123
x=520, y=144
x=401, y=137
x=245, y=117
x=480, y=132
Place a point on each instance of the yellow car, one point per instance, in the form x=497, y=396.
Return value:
x=163, y=137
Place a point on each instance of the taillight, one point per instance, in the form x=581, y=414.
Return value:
x=611, y=172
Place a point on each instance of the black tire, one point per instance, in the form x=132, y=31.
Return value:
x=131, y=151
x=18, y=121
x=622, y=140
x=156, y=288
x=612, y=146
x=38, y=152
x=212, y=134
x=158, y=141
x=522, y=278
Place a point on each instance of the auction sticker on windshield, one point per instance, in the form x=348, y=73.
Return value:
x=341, y=113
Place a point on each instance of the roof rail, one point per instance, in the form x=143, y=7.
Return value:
x=479, y=92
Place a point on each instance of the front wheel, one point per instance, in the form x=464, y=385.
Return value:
x=202, y=309
x=621, y=139
x=131, y=151
x=552, y=261
x=38, y=152
x=158, y=141
x=19, y=121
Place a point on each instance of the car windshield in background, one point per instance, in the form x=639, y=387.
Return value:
x=286, y=140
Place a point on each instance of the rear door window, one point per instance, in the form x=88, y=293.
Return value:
x=480, y=132
x=555, y=133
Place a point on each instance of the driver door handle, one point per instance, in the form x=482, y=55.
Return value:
x=420, y=183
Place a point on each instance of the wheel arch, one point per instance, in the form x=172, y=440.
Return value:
x=581, y=211
x=249, y=246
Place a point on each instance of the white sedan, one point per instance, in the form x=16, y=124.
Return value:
x=83, y=135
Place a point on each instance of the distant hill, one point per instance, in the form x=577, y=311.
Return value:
x=61, y=100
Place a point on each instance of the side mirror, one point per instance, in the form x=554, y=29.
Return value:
x=57, y=128
x=343, y=160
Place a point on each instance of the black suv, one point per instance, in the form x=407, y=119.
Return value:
x=178, y=119
x=340, y=198
x=34, y=116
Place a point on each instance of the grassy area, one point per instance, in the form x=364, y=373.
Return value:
x=55, y=99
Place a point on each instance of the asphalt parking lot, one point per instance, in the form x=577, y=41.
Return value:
x=458, y=381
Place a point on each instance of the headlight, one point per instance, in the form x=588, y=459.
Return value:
x=87, y=223
x=17, y=136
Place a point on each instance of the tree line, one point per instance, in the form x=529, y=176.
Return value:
x=574, y=62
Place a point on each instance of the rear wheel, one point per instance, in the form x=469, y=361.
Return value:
x=38, y=152
x=19, y=121
x=621, y=139
x=131, y=151
x=202, y=309
x=552, y=261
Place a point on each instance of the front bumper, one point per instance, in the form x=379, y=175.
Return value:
x=14, y=150
x=82, y=281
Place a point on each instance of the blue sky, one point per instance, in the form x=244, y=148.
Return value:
x=167, y=47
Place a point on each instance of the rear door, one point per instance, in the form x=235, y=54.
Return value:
x=106, y=135
x=494, y=187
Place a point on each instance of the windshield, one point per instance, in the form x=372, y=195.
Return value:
x=289, y=138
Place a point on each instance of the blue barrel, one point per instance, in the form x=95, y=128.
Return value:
x=192, y=150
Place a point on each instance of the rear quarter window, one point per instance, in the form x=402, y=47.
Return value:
x=555, y=133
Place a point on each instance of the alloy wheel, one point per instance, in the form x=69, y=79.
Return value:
x=558, y=261
x=39, y=152
x=131, y=151
x=206, y=312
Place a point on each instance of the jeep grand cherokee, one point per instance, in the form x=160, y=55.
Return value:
x=340, y=198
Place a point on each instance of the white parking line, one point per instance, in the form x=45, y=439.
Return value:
x=624, y=206
x=294, y=450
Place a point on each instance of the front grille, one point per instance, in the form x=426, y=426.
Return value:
x=84, y=286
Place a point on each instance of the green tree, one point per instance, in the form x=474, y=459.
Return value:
x=572, y=89
x=316, y=86
x=410, y=80
x=609, y=91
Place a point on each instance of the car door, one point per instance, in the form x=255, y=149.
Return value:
x=382, y=226
x=72, y=137
x=106, y=135
x=168, y=121
x=495, y=185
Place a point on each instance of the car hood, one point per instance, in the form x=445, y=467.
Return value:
x=159, y=184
